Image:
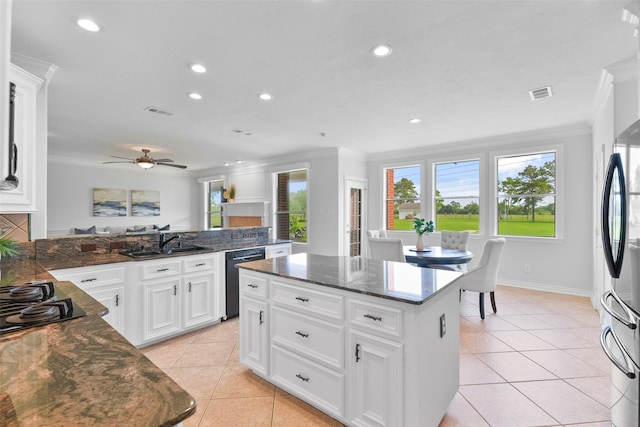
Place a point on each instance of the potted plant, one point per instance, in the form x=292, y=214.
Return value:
x=8, y=247
x=230, y=194
x=421, y=226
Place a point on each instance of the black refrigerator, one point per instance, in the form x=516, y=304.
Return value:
x=621, y=243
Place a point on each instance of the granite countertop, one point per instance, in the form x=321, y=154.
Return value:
x=81, y=371
x=384, y=279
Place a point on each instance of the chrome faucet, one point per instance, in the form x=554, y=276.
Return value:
x=163, y=240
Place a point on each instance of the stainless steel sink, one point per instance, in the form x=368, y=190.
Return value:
x=143, y=254
x=182, y=250
x=173, y=251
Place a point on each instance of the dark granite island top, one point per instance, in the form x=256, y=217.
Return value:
x=384, y=279
x=81, y=371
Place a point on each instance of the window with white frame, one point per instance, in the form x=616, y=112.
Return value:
x=526, y=194
x=457, y=196
x=291, y=205
x=213, y=212
x=402, y=197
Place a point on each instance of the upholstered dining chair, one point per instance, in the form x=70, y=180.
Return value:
x=386, y=249
x=453, y=240
x=378, y=234
x=484, y=276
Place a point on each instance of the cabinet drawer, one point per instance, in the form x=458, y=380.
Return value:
x=195, y=264
x=322, y=387
x=92, y=277
x=376, y=318
x=251, y=285
x=314, y=338
x=277, y=250
x=308, y=301
x=155, y=270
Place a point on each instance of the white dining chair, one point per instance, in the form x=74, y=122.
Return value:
x=378, y=234
x=386, y=249
x=453, y=240
x=484, y=276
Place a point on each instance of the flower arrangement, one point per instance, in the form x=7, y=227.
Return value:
x=230, y=194
x=421, y=226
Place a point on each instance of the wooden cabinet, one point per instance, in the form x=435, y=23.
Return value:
x=364, y=360
x=106, y=284
x=23, y=198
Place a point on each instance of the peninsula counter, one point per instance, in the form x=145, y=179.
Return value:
x=371, y=343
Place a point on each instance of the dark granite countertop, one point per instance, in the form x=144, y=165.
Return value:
x=384, y=279
x=81, y=371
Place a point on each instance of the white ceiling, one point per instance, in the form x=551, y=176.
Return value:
x=464, y=67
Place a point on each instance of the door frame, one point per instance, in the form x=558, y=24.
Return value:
x=361, y=184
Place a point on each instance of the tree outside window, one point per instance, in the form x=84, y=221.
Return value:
x=214, y=204
x=291, y=205
x=457, y=200
x=402, y=197
x=527, y=195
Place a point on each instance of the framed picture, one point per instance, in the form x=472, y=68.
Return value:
x=145, y=203
x=109, y=202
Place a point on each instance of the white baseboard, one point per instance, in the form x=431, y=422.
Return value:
x=546, y=288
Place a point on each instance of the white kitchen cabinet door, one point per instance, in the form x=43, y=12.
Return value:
x=112, y=298
x=254, y=334
x=376, y=381
x=161, y=308
x=198, y=300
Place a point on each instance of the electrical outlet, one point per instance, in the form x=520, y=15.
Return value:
x=527, y=268
x=443, y=326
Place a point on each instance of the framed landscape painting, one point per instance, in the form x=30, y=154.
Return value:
x=145, y=203
x=109, y=202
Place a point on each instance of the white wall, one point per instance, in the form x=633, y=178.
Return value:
x=556, y=264
x=70, y=196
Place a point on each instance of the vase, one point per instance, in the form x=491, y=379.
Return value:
x=419, y=243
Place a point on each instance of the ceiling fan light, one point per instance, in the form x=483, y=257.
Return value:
x=145, y=164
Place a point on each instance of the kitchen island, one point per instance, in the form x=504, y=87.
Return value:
x=368, y=342
x=80, y=371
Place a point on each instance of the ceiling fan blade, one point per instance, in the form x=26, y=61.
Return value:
x=131, y=161
x=118, y=157
x=164, y=161
x=169, y=164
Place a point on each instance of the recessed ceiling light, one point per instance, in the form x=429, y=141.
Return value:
x=239, y=162
x=382, y=50
x=264, y=96
x=226, y=163
x=194, y=95
x=415, y=120
x=89, y=25
x=198, y=68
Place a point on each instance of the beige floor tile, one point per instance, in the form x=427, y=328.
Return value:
x=598, y=388
x=522, y=340
x=514, y=366
x=206, y=354
x=199, y=381
x=239, y=381
x=563, y=338
x=475, y=371
x=289, y=411
x=501, y=405
x=563, y=402
x=593, y=356
x=221, y=332
x=194, y=420
x=461, y=414
x=491, y=323
x=482, y=342
x=526, y=321
x=561, y=321
x=563, y=364
x=239, y=412
x=164, y=356
x=591, y=335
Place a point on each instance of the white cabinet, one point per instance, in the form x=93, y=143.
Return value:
x=173, y=296
x=106, y=284
x=364, y=360
x=23, y=198
x=282, y=249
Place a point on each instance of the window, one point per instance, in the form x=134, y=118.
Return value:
x=402, y=190
x=457, y=200
x=527, y=195
x=291, y=205
x=214, y=204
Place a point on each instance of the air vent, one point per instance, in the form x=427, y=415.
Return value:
x=540, y=93
x=158, y=111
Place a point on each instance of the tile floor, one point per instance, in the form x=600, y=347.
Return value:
x=535, y=363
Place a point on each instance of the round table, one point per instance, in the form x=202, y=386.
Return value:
x=436, y=255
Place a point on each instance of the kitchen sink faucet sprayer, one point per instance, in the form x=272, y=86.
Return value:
x=163, y=240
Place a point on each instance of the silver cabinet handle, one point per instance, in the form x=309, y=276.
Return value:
x=302, y=299
x=175, y=290
x=117, y=300
x=357, y=353
x=369, y=316
x=251, y=285
x=189, y=286
x=627, y=368
x=302, y=334
x=160, y=270
x=261, y=317
x=305, y=379
x=628, y=320
x=93, y=279
x=200, y=264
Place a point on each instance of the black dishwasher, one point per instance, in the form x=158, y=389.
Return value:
x=232, y=287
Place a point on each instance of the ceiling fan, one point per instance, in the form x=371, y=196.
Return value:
x=147, y=162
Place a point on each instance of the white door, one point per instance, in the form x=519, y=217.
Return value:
x=355, y=211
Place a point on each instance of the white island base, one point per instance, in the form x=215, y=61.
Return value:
x=364, y=360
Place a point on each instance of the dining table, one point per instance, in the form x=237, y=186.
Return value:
x=431, y=255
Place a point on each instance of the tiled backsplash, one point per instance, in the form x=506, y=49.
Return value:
x=15, y=226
